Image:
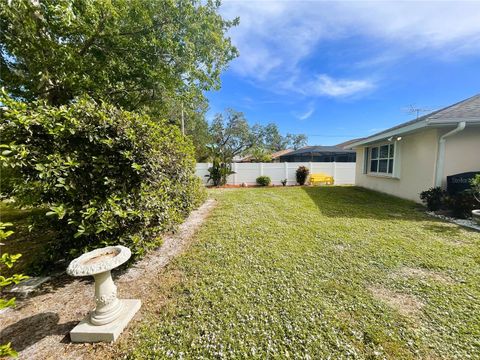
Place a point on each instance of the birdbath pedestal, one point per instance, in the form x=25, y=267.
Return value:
x=111, y=315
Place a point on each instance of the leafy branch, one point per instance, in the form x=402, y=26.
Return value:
x=8, y=260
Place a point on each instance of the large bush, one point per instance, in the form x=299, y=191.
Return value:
x=108, y=176
x=461, y=204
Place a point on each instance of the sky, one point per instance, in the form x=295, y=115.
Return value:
x=341, y=70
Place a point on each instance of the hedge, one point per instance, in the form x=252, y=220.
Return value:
x=108, y=176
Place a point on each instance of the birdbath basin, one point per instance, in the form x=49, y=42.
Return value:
x=111, y=314
x=476, y=216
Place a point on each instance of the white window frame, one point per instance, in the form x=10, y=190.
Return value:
x=391, y=155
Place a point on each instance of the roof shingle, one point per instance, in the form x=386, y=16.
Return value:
x=467, y=110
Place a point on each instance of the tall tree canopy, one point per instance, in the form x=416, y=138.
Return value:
x=138, y=54
x=296, y=141
x=231, y=135
x=272, y=140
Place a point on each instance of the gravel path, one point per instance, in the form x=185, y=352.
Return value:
x=38, y=327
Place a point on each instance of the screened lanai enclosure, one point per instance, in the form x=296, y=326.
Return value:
x=319, y=154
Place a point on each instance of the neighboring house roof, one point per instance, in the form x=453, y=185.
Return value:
x=281, y=153
x=319, y=149
x=274, y=155
x=345, y=144
x=466, y=110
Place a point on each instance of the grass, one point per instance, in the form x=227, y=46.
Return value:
x=338, y=272
x=32, y=244
x=306, y=272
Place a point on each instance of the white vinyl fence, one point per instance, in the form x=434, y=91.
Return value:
x=343, y=173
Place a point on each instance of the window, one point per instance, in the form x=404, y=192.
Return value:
x=381, y=159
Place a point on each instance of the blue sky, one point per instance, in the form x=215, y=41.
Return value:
x=340, y=70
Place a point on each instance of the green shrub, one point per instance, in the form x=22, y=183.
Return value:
x=433, y=198
x=475, y=182
x=218, y=173
x=108, y=176
x=461, y=204
x=263, y=180
x=7, y=260
x=302, y=174
x=7, y=180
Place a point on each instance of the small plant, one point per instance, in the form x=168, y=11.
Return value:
x=219, y=172
x=461, y=204
x=7, y=260
x=433, y=198
x=263, y=180
x=302, y=174
x=475, y=182
x=284, y=182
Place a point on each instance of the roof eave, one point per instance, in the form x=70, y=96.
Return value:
x=413, y=127
x=400, y=131
x=453, y=121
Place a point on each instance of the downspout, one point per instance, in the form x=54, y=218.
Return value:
x=441, y=153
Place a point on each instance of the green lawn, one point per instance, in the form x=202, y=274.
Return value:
x=303, y=272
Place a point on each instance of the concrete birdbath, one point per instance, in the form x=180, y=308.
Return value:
x=111, y=315
x=476, y=216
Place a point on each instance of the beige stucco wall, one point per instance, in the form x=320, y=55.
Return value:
x=462, y=152
x=417, y=161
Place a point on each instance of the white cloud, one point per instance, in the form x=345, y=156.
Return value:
x=325, y=85
x=309, y=112
x=274, y=37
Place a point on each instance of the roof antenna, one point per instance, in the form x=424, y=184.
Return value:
x=413, y=109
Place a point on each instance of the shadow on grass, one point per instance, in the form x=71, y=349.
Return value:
x=30, y=330
x=443, y=229
x=356, y=202
x=33, y=245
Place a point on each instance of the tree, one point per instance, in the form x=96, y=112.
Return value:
x=196, y=126
x=137, y=54
x=297, y=141
x=273, y=141
x=260, y=154
x=231, y=134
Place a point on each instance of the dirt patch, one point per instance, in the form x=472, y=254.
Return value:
x=397, y=215
x=340, y=247
x=407, y=305
x=425, y=274
x=38, y=327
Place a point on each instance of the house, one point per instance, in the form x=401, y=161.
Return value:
x=320, y=154
x=419, y=154
x=274, y=156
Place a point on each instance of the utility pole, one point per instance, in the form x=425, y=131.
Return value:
x=183, y=122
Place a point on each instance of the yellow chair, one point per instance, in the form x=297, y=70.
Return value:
x=321, y=178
